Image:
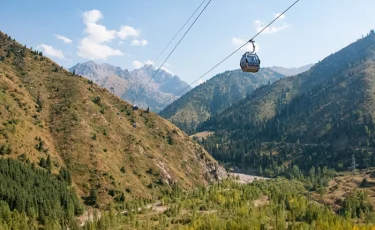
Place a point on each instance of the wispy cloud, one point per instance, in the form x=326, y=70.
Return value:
x=167, y=70
x=127, y=31
x=281, y=17
x=237, y=42
x=259, y=25
x=52, y=52
x=148, y=62
x=63, y=38
x=137, y=42
x=138, y=64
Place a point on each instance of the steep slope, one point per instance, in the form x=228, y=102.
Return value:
x=127, y=84
x=291, y=71
x=49, y=113
x=215, y=95
x=318, y=118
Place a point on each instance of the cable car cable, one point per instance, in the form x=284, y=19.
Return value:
x=233, y=52
x=172, y=50
x=179, y=31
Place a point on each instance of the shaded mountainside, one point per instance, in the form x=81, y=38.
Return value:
x=318, y=118
x=55, y=119
x=127, y=84
x=291, y=71
x=215, y=95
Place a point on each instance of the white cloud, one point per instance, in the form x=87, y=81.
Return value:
x=93, y=45
x=92, y=16
x=50, y=51
x=98, y=33
x=259, y=25
x=127, y=31
x=167, y=70
x=281, y=17
x=248, y=47
x=63, y=38
x=93, y=50
x=148, y=62
x=137, y=42
x=137, y=64
x=144, y=42
x=200, y=81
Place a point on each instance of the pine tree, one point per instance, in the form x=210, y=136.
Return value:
x=49, y=163
x=42, y=163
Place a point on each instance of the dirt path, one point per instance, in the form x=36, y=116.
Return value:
x=88, y=215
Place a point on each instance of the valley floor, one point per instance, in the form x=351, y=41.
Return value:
x=157, y=207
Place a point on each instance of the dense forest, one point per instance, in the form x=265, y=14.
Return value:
x=42, y=199
x=316, y=119
x=30, y=196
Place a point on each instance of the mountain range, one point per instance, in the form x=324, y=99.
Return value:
x=213, y=96
x=131, y=84
x=71, y=151
x=291, y=71
x=320, y=118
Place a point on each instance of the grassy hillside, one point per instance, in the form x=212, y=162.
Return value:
x=214, y=96
x=50, y=115
x=318, y=118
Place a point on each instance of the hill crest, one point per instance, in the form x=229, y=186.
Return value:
x=291, y=71
x=47, y=112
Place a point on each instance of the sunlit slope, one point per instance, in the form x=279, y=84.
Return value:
x=47, y=111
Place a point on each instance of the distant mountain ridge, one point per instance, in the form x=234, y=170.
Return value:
x=127, y=84
x=291, y=71
x=214, y=96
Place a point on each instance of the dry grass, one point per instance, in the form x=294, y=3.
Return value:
x=202, y=135
x=93, y=140
x=264, y=200
x=341, y=186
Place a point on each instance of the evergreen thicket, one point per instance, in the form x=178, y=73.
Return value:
x=27, y=191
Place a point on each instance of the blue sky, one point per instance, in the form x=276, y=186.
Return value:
x=129, y=33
